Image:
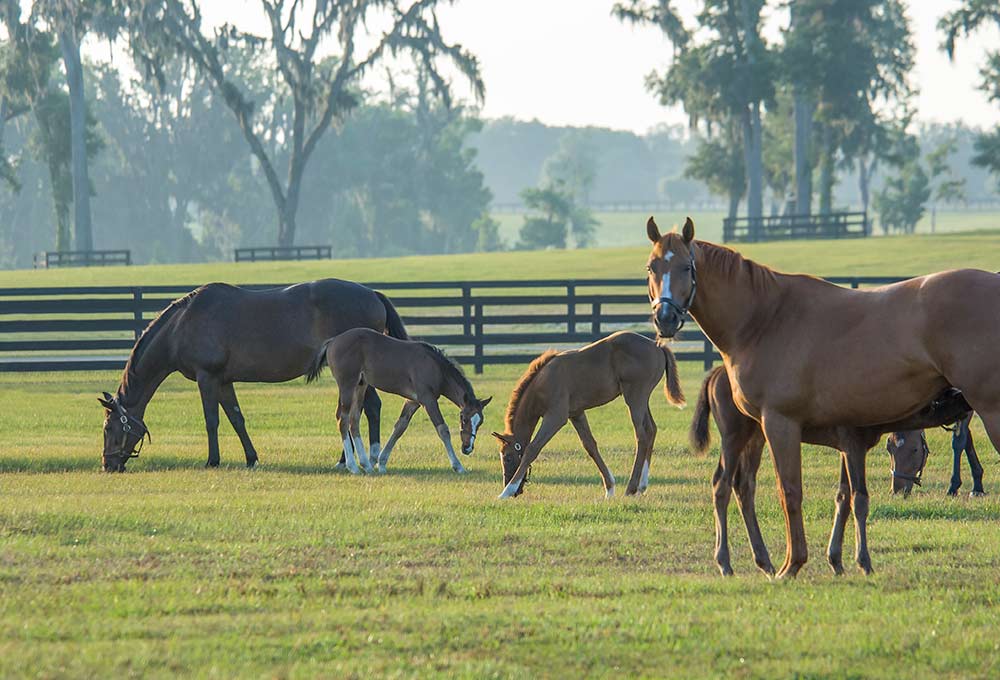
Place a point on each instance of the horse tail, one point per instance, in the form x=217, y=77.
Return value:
x=700, y=436
x=393, y=324
x=318, y=362
x=672, y=387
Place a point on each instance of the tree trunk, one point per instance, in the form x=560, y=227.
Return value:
x=78, y=139
x=754, y=169
x=734, y=204
x=826, y=173
x=803, y=159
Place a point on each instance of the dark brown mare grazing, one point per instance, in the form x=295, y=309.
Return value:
x=219, y=334
x=743, y=444
x=908, y=452
x=803, y=353
x=561, y=386
x=417, y=371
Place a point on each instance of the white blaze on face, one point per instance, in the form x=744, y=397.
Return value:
x=474, y=423
x=665, y=285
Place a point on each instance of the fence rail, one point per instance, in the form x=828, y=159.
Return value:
x=481, y=322
x=272, y=253
x=787, y=227
x=82, y=258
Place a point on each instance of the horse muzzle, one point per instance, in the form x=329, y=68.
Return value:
x=667, y=321
x=114, y=463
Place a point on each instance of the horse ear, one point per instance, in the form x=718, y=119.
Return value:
x=106, y=404
x=688, y=231
x=506, y=439
x=653, y=231
x=482, y=404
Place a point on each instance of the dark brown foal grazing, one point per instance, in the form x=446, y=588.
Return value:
x=740, y=454
x=416, y=371
x=561, y=386
x=219, y=334
x=804, y=353
x=908, y=452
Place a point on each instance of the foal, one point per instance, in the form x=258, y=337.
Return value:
x=908, y=452
x=416, y=371
x=560, y=386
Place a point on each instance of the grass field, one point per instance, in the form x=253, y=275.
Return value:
x=296, y=570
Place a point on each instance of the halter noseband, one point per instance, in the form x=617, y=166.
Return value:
x=682, y=310
x=123, y=452
x=915, y=478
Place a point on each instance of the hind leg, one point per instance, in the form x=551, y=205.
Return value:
x=841, y=513
x=582, y=427
x=957, y=448
x=409, y=408
x=355, y=426
x=209, y=387
x=651, y=429
x=735, y=439
x=855, y=458
x=227, y=397
x=745, y=484
x=638, y=407
x=974, y=465
x=373, y=414
x=345, y=404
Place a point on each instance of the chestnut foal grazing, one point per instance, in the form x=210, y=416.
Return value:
x=740, y=455
x=803, y=353
x=561, y=386
x=416, y=371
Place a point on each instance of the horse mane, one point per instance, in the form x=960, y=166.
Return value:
x=534, y=368
x=733, y=264
x=148, y=333
x=450, y=368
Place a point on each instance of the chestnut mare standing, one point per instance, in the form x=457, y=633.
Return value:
x=219, y=334
x=417, y=371
x=743, y=444
x=803, y=353
x=561, y=386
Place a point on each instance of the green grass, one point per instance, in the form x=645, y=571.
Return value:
x=295, y=570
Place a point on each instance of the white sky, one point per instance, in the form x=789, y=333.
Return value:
x=568, y=62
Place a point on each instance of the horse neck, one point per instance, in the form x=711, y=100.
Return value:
x=526, y=417
x=727, y=305
x=149, y=372
x=452, y=390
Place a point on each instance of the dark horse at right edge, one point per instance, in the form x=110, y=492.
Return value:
x=220, y=334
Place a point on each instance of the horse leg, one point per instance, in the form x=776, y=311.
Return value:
x=227, y=397
x=974, y=464
x=373, y=414
x=855, y=459
x=651, y=430
x=732, y=444
x=344, y=406
x=409, y=408
x=957, y=449
x=434, y=413
x=355, y=427
x=638, y=411
x=582, y=427
x=841, y=512
x=745, y=485
x=551, y=424
x=784, y=436
x=209, y=387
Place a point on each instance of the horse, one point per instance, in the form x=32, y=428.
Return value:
x=561, y=386
x=218, y=335
x=908, y=452
x=802, y=353
x=740, y=454
x=417, y=371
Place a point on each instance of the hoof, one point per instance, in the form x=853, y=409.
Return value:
x=952, y=492
x=866, y=568
x=459, y=469
x=251, y=464
x=340, y=466
x=381, y=469
x=766, y=567
x=725, y=570
x=212, y=464
x=609, y=492
x=976, y=494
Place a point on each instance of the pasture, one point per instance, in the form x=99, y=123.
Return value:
x=295, y=569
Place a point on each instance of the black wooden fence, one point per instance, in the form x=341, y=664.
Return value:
x=786, y=227
x=274, y=253
x=480, y=322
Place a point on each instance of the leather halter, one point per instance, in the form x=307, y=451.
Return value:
x=915, y=478
x=682, y=310
x=123, y=452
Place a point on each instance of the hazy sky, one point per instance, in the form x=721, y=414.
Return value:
x=569, y=62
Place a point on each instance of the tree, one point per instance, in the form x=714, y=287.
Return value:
x=322, y=90
x=964, y=21
x=901, y=202
x=719, y=163
x=574, y=163
x=556, y=213
x=726, y=77
x=947, y=186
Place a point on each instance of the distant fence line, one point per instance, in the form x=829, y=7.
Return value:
x=628, y=206
x=481, y=322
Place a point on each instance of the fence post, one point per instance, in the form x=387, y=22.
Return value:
x=479, y=359
x=708, y=349
x=595, y=320
x=570, y=308
x=137, y=311
x=466, y=310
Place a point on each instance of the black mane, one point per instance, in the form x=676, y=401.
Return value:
x=451, y=369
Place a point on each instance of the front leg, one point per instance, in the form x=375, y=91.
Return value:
x=974, y=465
x=209, y=387
x=957, y=449
x=551, y=424
x=373, y=414
x=231, y=406
x=582, y=427
x=409, y=408
x=434, y=413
